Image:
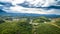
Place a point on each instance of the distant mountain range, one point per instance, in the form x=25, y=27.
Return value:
x=3, y=13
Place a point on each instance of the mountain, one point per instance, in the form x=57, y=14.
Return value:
x=3, y=13
x=29, y=15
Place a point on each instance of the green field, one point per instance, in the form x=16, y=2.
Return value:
x=39, y=25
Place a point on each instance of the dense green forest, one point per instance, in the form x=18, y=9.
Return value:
x=29, y=25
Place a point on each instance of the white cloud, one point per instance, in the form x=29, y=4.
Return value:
x=17, y=2
x=42, y=3
x=36, y=3
x=6, y=0
x=19, y=9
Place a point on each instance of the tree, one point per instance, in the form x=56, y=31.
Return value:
x=41, y=19
x=1, y=21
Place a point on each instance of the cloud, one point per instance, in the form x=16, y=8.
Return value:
x=34, y=3
x=39, y=3
x=6, y=4
x=19, y=9
x=18, y=6
x=53, y=11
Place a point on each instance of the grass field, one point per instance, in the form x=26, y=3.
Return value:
x=23, y=26
x=45, y=28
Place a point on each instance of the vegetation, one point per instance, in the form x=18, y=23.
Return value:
x=21, y=25
x=41, y=19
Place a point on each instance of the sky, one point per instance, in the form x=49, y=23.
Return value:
x=31, y=6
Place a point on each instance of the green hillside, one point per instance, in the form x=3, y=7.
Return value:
x=38, y=25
